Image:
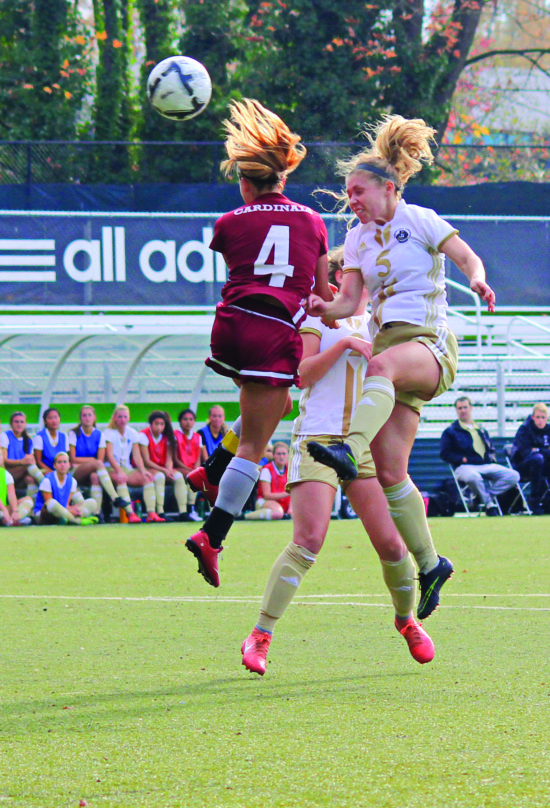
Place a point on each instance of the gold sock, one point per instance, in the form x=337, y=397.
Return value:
x=149, y=497
x=160, y=487
x=399, y=578
x=408, y=511
x=230, y=442
x=106, y=483
x=89, y=507
x=372, y=412
x=261, y=513
x=122, y=491
x=24, y=507
x=284, y=579
x=32, y=491
x=97, y=495
x=59, y=512
x=180, y=492
x=35, y=473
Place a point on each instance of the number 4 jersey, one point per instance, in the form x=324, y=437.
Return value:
x=271, y=247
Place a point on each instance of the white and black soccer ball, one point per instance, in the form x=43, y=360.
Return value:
x=179, y=88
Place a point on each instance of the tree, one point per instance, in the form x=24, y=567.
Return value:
x=334, y=65
x=44, y=69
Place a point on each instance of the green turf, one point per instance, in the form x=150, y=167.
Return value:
x=122, y=685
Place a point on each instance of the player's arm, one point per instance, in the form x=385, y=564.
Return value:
x=41, y=465
x=321, y=287
x=267, y=493
x=345, y=302
x=471, y=265
x=315, y=365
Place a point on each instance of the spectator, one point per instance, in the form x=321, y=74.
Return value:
x=187, y=457
x=158, y=456
x=49, y=441
x=19, y=460
x=213, y=432
x=86, y=458
x=468, y=449
x=273, y=501
x=125, y=463
x=268, y=455
x=531, y=455
x=55, y=499
x=12, y=511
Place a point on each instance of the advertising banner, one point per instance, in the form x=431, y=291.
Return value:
x=162, y=259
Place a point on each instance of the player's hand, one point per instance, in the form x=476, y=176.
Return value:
x=360, y=346
x=316, y=306
x=485, y=292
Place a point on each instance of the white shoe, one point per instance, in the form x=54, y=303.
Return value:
x=194, y=517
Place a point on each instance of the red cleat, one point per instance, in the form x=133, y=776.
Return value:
x=206, y=555
x=254, y=650
x=419, y=641
x=198, y=481
x=154, y=517
x=134, y=519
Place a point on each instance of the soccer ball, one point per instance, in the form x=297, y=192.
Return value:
x=179, y=88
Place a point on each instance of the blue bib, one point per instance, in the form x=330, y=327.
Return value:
x=88, y=445
x=49, y=451
x=60, y=494
x=16, y=448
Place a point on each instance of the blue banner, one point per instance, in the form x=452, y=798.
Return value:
x=163, y=259
x=106, y=260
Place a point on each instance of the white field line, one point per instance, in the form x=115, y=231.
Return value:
x=305, y=600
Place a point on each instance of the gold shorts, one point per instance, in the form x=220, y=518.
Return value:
x=441, y=342
x=302, y=468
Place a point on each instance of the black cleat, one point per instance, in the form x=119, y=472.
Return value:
x=337, y=456
x=430, y=585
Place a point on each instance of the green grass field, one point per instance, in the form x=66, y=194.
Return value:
x=122, y=682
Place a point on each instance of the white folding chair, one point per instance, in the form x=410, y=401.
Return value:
x=467, y=496
x=522, y=487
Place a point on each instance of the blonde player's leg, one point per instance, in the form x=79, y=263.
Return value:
x=391, y=449
x=368, y=501
x=220, y=458
x=409, y=366
x=312, y=508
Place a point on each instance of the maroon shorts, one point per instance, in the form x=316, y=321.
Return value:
x=254, y=347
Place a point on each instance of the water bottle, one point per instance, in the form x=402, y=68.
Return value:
x=138, y=510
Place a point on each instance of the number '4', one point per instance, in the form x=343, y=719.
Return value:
x=278, y=242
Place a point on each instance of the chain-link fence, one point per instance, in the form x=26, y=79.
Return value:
x=88, y=162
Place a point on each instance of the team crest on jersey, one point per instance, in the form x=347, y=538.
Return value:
x=402, y=235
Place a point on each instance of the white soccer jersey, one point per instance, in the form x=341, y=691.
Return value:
x=402, y=266
x=327, y=407
x=122, y=444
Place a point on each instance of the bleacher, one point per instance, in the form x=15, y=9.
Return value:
x=154, y=360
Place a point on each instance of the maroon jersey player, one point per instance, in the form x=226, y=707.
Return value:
x=276, y=251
